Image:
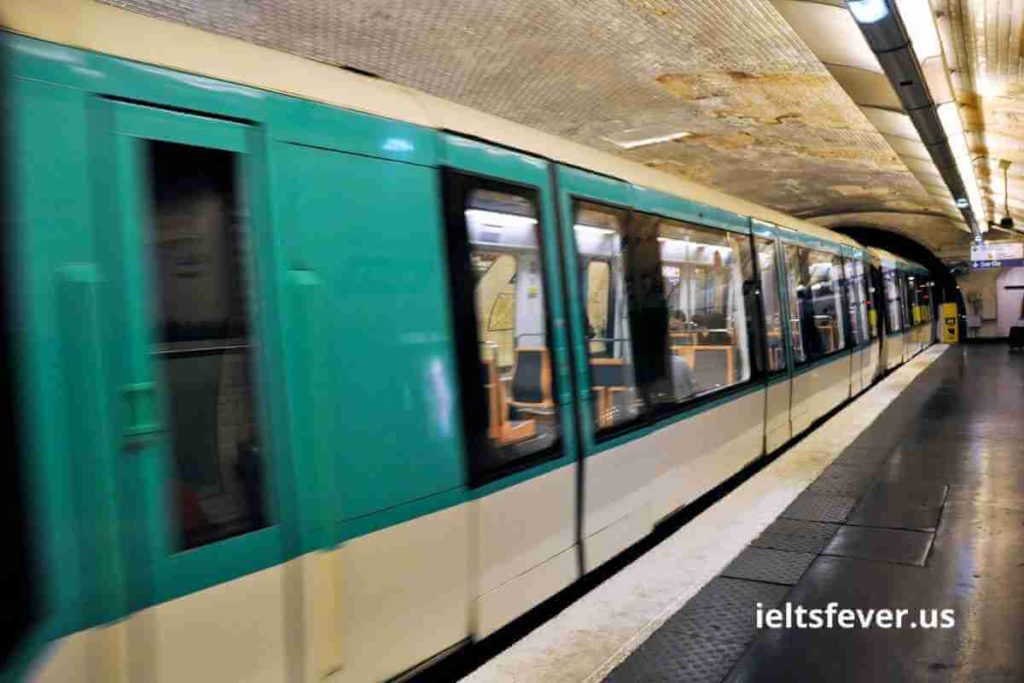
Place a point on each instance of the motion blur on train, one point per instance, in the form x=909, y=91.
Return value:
x=317, y=377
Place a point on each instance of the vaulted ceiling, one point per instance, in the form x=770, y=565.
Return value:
x=765, y=118
x=985, y=43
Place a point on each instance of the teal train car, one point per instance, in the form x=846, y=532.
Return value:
x=315, y=377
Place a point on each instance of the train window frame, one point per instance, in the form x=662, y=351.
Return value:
x=779, y=270
x=810, y=359
x=602, y=435
x=869, y=302
x=482, y=467
x=665, y=411
x=892, y=274
x=848, y=289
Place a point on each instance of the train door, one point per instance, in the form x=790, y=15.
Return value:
x=594, y=216
x=879, y=316
x=853, y=293
x=870, y=351
x=778, y=354
x=514, y=376
x=189, y=348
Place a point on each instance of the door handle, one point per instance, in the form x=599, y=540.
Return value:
x=141, y=423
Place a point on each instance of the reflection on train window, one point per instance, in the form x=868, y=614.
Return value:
x=703, y=273
x=767, y=263
x=893, y=300
x=796, y=333
x=599, y=244
x=819, y=299
x=204, y=351
x=855, y=296
x=515, y=362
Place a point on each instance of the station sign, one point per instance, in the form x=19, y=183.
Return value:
x=997, y=255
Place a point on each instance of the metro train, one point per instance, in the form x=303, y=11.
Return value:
x=319, y=377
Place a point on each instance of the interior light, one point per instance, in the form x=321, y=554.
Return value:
x=868, y=11
x=497, y=219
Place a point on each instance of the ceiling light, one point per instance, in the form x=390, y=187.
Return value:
x=868, y=11
x=646, y=135
x=919, y=21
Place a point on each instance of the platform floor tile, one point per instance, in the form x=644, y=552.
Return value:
x=772, y=566
x=882, y=545
x=901, y=505
x=702, y=641
x=819, y=508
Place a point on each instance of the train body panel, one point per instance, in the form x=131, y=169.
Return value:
x=778, y=425
x=363, y=387
x=819, y=389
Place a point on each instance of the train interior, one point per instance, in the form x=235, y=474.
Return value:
x=202, y=349
x=815, y=292
x=598, y=233
x=703, y=273
x=515, y=357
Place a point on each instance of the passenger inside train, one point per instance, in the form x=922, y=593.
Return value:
x=689, y=286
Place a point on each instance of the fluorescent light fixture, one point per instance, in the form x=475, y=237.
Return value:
x=949, y=115
x=868, y=11
x=496, y=219
x=647, y=135
x=920, y=24
x=593, y=230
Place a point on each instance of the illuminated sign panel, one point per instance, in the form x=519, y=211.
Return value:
x=997, y=255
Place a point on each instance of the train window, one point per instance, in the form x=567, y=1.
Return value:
x=870, y=275
x=924, y=300
x=819, y=301
x=203, y=344
x=767, y=262
x=893, y=300
x=505, y=360
x=599, y=232
x=855, y=296
x=704, y=272
x=796, y=332
x=911, y=292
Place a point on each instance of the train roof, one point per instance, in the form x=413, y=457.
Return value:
x=887, y=258
x=105, y=29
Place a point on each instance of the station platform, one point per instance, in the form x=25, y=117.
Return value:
x=909, y=499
